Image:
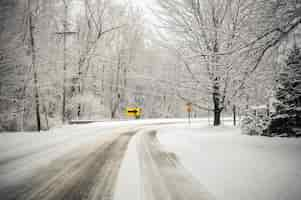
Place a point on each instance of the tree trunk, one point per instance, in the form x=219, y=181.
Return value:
x=103, y=85
x=78, y=110
x=216, y=102
x=116, y=102
x=64, y=65
x=46, y=116
x=217, y=117
x=35, y=74
x=234, y=115
x=23, y=107
x=79, y=91
x=112, y=115
x=115, y=106
x=64, y=104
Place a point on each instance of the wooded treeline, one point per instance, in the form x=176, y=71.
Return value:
x=67, y=59
x=231, y=48
x=90, y=59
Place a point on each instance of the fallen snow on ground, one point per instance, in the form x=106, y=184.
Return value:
x=23, y=153
x=229, y=165
x=20, y=142
x=232, y=166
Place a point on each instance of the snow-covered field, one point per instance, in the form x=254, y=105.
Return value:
x=232, y=166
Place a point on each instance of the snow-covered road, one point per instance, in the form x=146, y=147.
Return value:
x=66, y=170
x=148, y=160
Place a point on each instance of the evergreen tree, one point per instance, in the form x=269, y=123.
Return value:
x=287, y=119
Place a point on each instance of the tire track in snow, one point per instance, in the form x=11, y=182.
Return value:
x=88, y=173
x=163, y=176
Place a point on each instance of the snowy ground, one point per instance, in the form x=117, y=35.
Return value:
x=127, y=160
x=232, y=166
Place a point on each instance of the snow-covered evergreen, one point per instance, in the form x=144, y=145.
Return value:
x=287, y=118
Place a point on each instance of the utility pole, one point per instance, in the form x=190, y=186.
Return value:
x=65, y=33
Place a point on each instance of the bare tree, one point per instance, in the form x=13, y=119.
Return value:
x=204, y=30
x=32, y=10
x=95, y=26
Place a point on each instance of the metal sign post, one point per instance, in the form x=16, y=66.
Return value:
x=189, y=110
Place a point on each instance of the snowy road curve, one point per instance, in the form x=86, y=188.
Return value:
x=148, y=160
x=87, y=166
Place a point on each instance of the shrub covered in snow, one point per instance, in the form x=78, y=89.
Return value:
x=253, y=124
x=281, y=125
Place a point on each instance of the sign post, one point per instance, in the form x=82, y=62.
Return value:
x=189, y=110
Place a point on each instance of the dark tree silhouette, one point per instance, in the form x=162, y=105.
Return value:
x=287, y=119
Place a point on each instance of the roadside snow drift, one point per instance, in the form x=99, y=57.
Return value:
x=232, y=166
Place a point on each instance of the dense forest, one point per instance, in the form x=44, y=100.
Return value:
x=63, y=60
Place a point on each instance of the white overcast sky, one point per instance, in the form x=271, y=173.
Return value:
x=143, y=3
x=146, y=6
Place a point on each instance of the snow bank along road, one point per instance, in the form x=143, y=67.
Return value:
x=162, y=175
x=85, y=165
